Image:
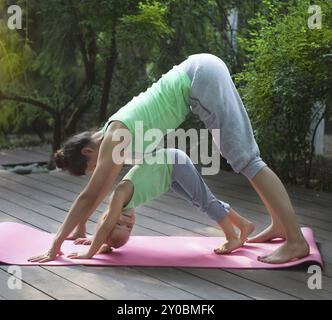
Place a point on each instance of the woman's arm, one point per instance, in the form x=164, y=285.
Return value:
x=100, y=184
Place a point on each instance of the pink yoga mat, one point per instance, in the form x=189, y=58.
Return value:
x=18, y=242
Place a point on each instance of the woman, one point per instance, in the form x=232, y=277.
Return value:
x=203, y=84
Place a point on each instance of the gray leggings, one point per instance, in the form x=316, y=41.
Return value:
x=189, y=185
x=214, y=98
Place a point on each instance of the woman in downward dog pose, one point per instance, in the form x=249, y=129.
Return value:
x=201, y=84
x=145, y=182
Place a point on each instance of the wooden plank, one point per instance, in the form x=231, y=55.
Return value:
x=27, y=292
x=236, y=283
x=283, y=272
x=291, y=282
x=164, y=229
x=248, y=193
x=20, y=156
x=259, y=208
x=54, y=285
x=256, y=213
x=159, y=203
x=36, y=185
x=97, y=283
x=260, y=220
x=199, y=285
x=52, y=179
x=296, y=191
x=21, y=206
x=165, y=213
x=47, y=284
x=26, y=190
x=168, y=229
x=239, y=197
x=136, y=297
x=121, y=283
x=146, y=221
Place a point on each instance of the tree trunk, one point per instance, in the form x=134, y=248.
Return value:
x=58, y=133
x=110, y=65
x=88, y=47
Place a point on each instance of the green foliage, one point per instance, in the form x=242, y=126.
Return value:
x=283, y=67
x=148, y=24
x=286, y=74
x=15, y=56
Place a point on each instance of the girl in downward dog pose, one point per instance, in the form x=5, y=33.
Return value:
x=145, y=182
x=201, y=84
x=118, y=236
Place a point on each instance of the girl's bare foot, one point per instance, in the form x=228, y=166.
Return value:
x=229, y=246
x=287, y=252
x=245, y=230
x=268, y=234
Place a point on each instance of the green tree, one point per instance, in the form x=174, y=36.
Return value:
x=74, y=46
x=287, y=73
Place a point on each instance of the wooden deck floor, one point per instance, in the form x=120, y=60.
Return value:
x=42, y=200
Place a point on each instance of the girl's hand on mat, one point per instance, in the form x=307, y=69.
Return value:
x=46, y=257
x=77, y=255
x=105, y=248
x=84, y=241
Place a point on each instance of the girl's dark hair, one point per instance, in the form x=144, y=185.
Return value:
x=70, y=158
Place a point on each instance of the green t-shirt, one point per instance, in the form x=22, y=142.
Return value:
x=150, y=180
x=163, y=106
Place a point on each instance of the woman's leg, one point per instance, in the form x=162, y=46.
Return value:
x=284, y=222
x=216, y=100
x=188, y=183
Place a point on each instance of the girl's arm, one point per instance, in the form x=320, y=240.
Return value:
x=99, y=186
x=119, y=198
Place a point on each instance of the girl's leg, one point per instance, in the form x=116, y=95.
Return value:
x=245, y=226
x=233, y=241
x=188, y=183
x=215, y=99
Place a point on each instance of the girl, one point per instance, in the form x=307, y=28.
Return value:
x=174, y=170
x=202, y=84
x=117, y=237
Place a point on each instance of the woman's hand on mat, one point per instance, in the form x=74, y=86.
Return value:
x=84, y=241
x=51, y=255
x=79, y=255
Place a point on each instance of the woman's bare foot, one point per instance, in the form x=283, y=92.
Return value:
x=77, y=234
x=229, y=246
x=268, y=234
x=287, y=252
x=85, y=241
x=245, y=230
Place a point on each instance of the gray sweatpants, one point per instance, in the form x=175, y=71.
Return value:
x=189, y=185
x=214, y=98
